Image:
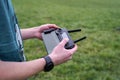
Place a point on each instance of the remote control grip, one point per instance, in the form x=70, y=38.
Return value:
x=63, y=33
x=69, y=45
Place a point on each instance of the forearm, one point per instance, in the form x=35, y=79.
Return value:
x=20, y=70
x=35, y=32
x=28, y=33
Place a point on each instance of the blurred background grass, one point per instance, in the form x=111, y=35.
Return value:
x=98, y=57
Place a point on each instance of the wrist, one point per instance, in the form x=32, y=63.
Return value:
x=33, y=32
x=37, y=32
x=49, y=64
x=53, y=59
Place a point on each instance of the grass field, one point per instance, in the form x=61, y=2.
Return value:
x=98, y=57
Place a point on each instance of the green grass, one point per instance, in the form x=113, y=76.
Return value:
x=98, y=57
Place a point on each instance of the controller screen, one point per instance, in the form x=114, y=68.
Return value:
x=64, y=35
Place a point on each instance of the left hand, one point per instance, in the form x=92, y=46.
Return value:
x=41, y=28
x=35, y=32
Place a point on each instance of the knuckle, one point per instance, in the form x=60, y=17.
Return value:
x=70, y=53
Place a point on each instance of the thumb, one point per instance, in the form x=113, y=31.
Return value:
x=63, y=42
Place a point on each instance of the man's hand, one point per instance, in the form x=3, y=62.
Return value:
x=60, y=54
x=35, y=32
x=41, y=28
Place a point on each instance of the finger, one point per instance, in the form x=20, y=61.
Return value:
x=73, y=50
x=53, y=26
x=63, y=42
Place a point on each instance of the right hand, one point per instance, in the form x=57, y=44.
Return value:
x=60, y=55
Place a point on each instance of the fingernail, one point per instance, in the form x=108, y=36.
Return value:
x=66, y=39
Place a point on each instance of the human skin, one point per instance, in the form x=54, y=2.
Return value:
x=24, y=70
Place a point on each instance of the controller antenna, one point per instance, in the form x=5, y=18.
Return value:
x=76, y=30
x=80, y=39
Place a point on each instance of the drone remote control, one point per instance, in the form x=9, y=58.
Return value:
x=52, y=37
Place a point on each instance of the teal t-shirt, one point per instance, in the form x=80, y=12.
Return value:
x=11, y=48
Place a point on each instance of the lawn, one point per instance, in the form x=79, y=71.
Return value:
x=98, y=57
